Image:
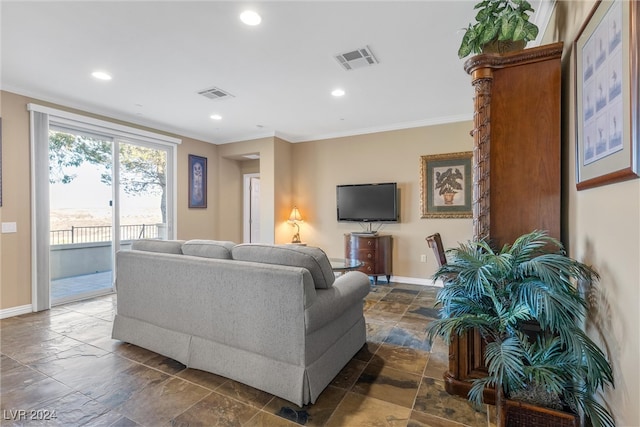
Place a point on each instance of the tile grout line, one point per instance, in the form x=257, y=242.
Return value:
x=386, y=318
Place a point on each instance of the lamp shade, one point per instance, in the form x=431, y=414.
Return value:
x=295, y=215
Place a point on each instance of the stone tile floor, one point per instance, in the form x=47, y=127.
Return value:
x=62, y=363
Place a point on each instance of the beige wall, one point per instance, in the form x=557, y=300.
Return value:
x=197, y=223
x=306, y=174
x=1, y=173
x=276, y=199
x=231, y=167
x=283, y=198
x=319, y=166
x=15, y=262
x=602, y=227
x=291, y=174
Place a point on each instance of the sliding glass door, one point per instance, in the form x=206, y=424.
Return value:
x=80, y=215
x=98, y=186
x=84, y=211
x=142, y=210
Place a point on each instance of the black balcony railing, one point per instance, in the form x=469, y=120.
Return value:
x=103, y=233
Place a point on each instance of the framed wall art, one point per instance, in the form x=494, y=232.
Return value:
x=606, y=95
x=197, y=181
x=446, y=185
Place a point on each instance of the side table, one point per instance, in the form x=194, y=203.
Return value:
x=342, y=265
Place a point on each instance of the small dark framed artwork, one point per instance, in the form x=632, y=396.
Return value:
x=606, y=95
x=446, y=185
x=197, y=181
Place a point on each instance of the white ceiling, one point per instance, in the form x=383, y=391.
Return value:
x=280, y=73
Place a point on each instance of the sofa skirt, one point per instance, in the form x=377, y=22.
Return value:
x=298, y=384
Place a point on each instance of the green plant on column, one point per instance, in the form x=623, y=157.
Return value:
x=501, y=23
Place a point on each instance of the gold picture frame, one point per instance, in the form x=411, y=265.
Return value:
x=606, y=95
x=446, y=185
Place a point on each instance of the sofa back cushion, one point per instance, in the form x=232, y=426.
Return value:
x=311, y=258
x=208, y=248
x=154, y=245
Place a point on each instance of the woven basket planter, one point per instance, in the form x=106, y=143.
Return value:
x=519, y=414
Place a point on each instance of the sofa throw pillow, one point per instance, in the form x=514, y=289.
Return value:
x=311, y=258
x=208, y=248
x=154, y=245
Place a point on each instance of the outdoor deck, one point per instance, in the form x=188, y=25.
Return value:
x=63, y=290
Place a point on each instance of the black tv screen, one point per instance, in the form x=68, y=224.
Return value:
x=367, y=202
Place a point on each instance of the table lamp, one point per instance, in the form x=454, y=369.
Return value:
x=294, y=219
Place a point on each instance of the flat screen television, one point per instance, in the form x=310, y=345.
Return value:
x=367, y=202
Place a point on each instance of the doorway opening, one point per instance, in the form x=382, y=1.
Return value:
x=251, y=208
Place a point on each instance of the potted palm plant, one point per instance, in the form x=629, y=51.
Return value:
x=500, y=294
x=502, y=24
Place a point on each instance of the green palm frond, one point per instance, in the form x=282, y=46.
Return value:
x=594, y=362
x=478, y=386
x=554, y=309
x=504, y=362
x=595, y=413
x=529, y=245
x=458, y=325
x=497, y=292
x=548, y=364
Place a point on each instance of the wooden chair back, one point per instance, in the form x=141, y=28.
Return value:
x=435, y=242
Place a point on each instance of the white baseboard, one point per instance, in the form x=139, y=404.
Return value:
x=15, y=311
x=416, y=281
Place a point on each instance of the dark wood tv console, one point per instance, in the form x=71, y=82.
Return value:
x=373, y=250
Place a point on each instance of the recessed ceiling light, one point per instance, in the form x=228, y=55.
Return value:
x=337, y=92
x=101, y=75
x=216, y=117
x=250, y=17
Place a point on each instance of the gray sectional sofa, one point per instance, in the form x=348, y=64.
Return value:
x=274, y=317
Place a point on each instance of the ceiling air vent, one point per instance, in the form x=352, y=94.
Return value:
x=358, y=58
x=215, y=93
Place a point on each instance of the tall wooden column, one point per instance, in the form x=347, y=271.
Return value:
x=481, y=153
x=516, y=167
